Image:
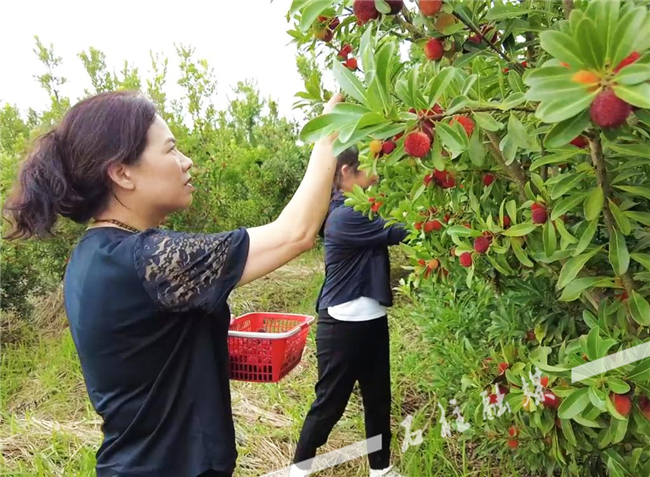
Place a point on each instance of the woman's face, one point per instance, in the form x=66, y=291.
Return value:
x=351, y=177
x=161, y=177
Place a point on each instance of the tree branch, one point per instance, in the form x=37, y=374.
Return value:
x=498, y=51
x=406, y=23
x=482, y=109
x=514, y=170
x=598, y=159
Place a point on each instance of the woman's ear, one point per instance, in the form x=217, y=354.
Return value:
x=121, y=176
x=345, y=170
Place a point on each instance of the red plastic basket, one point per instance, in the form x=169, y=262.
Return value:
x=265, y=347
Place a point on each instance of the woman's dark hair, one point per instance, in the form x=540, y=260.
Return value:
x=350, y=158
x=66, y=172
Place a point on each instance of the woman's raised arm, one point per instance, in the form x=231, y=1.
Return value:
x=295, y=230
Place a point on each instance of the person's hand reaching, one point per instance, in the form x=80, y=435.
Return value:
x=333, y=101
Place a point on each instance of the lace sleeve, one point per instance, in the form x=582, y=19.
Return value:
x=182, y=271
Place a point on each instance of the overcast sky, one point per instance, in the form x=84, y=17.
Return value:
x=240, y=39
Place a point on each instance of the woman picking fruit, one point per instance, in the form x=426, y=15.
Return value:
x=352, y=334
x=147, y=307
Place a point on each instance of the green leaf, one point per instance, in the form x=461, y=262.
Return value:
x=476, y=150
x=455, y=142
x=641, y=372
x=297, y=5
x=642, y=258
x=558, y=158
x=641, y=217
x=515, y=82
x=576, y=287
x=585, y=240
x=402, y=91
x=382, y=7
x=619, y=257
x=566, y=236
x=592, y=50
x=349, y=82
x=637, y=95
x=521, y=254
x=636, y=190
x=467, y=84
x=618, y=429
x=565, y=131
x=573, y=266
x=568, y=183
x=367, y=50
x=509, y=149
x=515, y=99
x=487, y=122
x=371, y=119
x=511, y=208
x=458, y=103
x=617, y=385
x=501, y=12
x=375, y=97
x=598, y=398
x=604, y=27
x=359, y=134
x=589, y=318
x=639, y=308
x=567, y=204
x=440, y=83
x=594, y=203
x=567, y=430
x=634, y=150
x=383, y=131
x=550, y=238
x=462, y=231
x=574, y=404
x=546, y=74
x=557, y=110
x=621, y=219
x=343, y=114
x=593, y=341
x=413, y=89
x=311, y=12
x=520, y=230
x=616, y=465
x=518, y=132
x=561, y=46
x=347, y=132
x=557, y=89
x=626, y=35
x=383, y=60
x=633, y=74
x=612, y=409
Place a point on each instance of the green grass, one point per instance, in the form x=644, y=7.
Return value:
x=49, y=428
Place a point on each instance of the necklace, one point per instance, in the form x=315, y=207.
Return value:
x=121, y=225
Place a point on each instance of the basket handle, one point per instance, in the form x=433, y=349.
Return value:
x=270, y=336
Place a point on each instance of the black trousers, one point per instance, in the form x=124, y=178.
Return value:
x=348, y=352
x=217, y=473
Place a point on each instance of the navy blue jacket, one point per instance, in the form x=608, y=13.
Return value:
x=356, y=256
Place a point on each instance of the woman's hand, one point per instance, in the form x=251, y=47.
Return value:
x=329, y=106
x=333, y=101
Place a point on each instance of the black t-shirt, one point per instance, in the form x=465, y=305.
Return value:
x=149, y=318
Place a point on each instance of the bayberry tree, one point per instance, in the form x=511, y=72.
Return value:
x=513, y=140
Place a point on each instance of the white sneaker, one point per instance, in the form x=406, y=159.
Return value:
x=295, y=471
x=387, y=472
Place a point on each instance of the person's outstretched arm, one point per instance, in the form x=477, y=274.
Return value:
x=295, y=230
